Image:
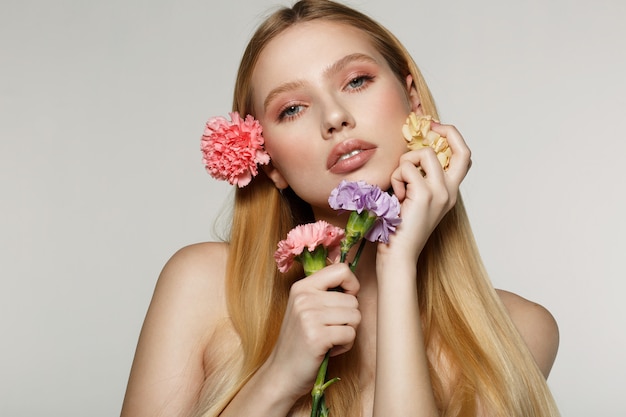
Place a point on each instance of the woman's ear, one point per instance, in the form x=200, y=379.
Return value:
x=274, y=174
x=414, y=97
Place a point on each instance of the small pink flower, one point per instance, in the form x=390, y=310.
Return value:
x=308, y=236
x=232, y=150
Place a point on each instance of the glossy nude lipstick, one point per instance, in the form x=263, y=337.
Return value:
x=349, y=156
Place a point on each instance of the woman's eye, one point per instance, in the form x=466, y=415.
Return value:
x=356, y=82
x=290, y=111
x=359, y=82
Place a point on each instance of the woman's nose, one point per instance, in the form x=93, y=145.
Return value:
x=336, y=117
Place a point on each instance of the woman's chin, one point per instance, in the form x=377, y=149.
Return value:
x=381, y=181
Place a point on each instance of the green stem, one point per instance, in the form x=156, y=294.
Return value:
x=319, y=408
x=319, y=404
x=357, y=255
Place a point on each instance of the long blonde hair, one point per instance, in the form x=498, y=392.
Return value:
x=464, y=320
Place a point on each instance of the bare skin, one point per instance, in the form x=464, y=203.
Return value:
x=188, y=308
x=331, y=94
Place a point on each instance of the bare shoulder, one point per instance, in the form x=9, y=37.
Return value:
x=206, y=255
x=192, y=282
x=537, y=327
x=199, y=266
x=187, y=305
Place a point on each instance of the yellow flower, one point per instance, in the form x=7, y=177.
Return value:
x=416, y=131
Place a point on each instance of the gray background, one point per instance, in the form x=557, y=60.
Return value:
x=102, y=104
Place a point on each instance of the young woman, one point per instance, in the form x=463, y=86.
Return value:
x=418, y=329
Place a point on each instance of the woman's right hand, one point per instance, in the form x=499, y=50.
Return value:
x=316, y=320
x=426, y=193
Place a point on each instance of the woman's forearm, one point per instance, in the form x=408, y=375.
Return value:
x=403, y=386
x=263, y=395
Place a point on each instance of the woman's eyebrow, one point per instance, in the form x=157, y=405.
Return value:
x=347, y=60
x=292, y=85
x=328, y=72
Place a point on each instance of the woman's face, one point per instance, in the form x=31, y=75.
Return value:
x=331, y=109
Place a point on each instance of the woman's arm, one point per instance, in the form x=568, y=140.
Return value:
x=168, y=372
x=426, y=193
x=316, y=320
x=188, y=304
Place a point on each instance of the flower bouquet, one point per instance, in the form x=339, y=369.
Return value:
x=374, y=214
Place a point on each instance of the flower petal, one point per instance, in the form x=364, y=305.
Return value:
x=307, y=237
x=232, y=149
x=416, y=130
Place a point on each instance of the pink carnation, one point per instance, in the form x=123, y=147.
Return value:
x=232, y=150
x=308, y=236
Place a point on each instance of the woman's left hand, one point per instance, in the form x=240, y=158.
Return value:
x=426, y=193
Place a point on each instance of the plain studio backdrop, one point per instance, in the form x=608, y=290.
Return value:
x=102, y=104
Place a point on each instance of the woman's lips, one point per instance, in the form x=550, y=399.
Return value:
x=349, y=156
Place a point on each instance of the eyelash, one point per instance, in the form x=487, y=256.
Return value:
x=282, y=114
x=365, y=78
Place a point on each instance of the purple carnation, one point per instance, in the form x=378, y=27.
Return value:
x=360, y=196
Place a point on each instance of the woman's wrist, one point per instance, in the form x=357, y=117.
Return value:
x=396, y=273
x=396, y=258
x=274, y=378
x=266, y=393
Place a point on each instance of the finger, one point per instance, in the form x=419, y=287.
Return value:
x=340, y=316
x=397, y=184
x=409, y=171
x=333, y=276
x=339, y=299
x=460, y=160
x=426, y=159
x=341, y=338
